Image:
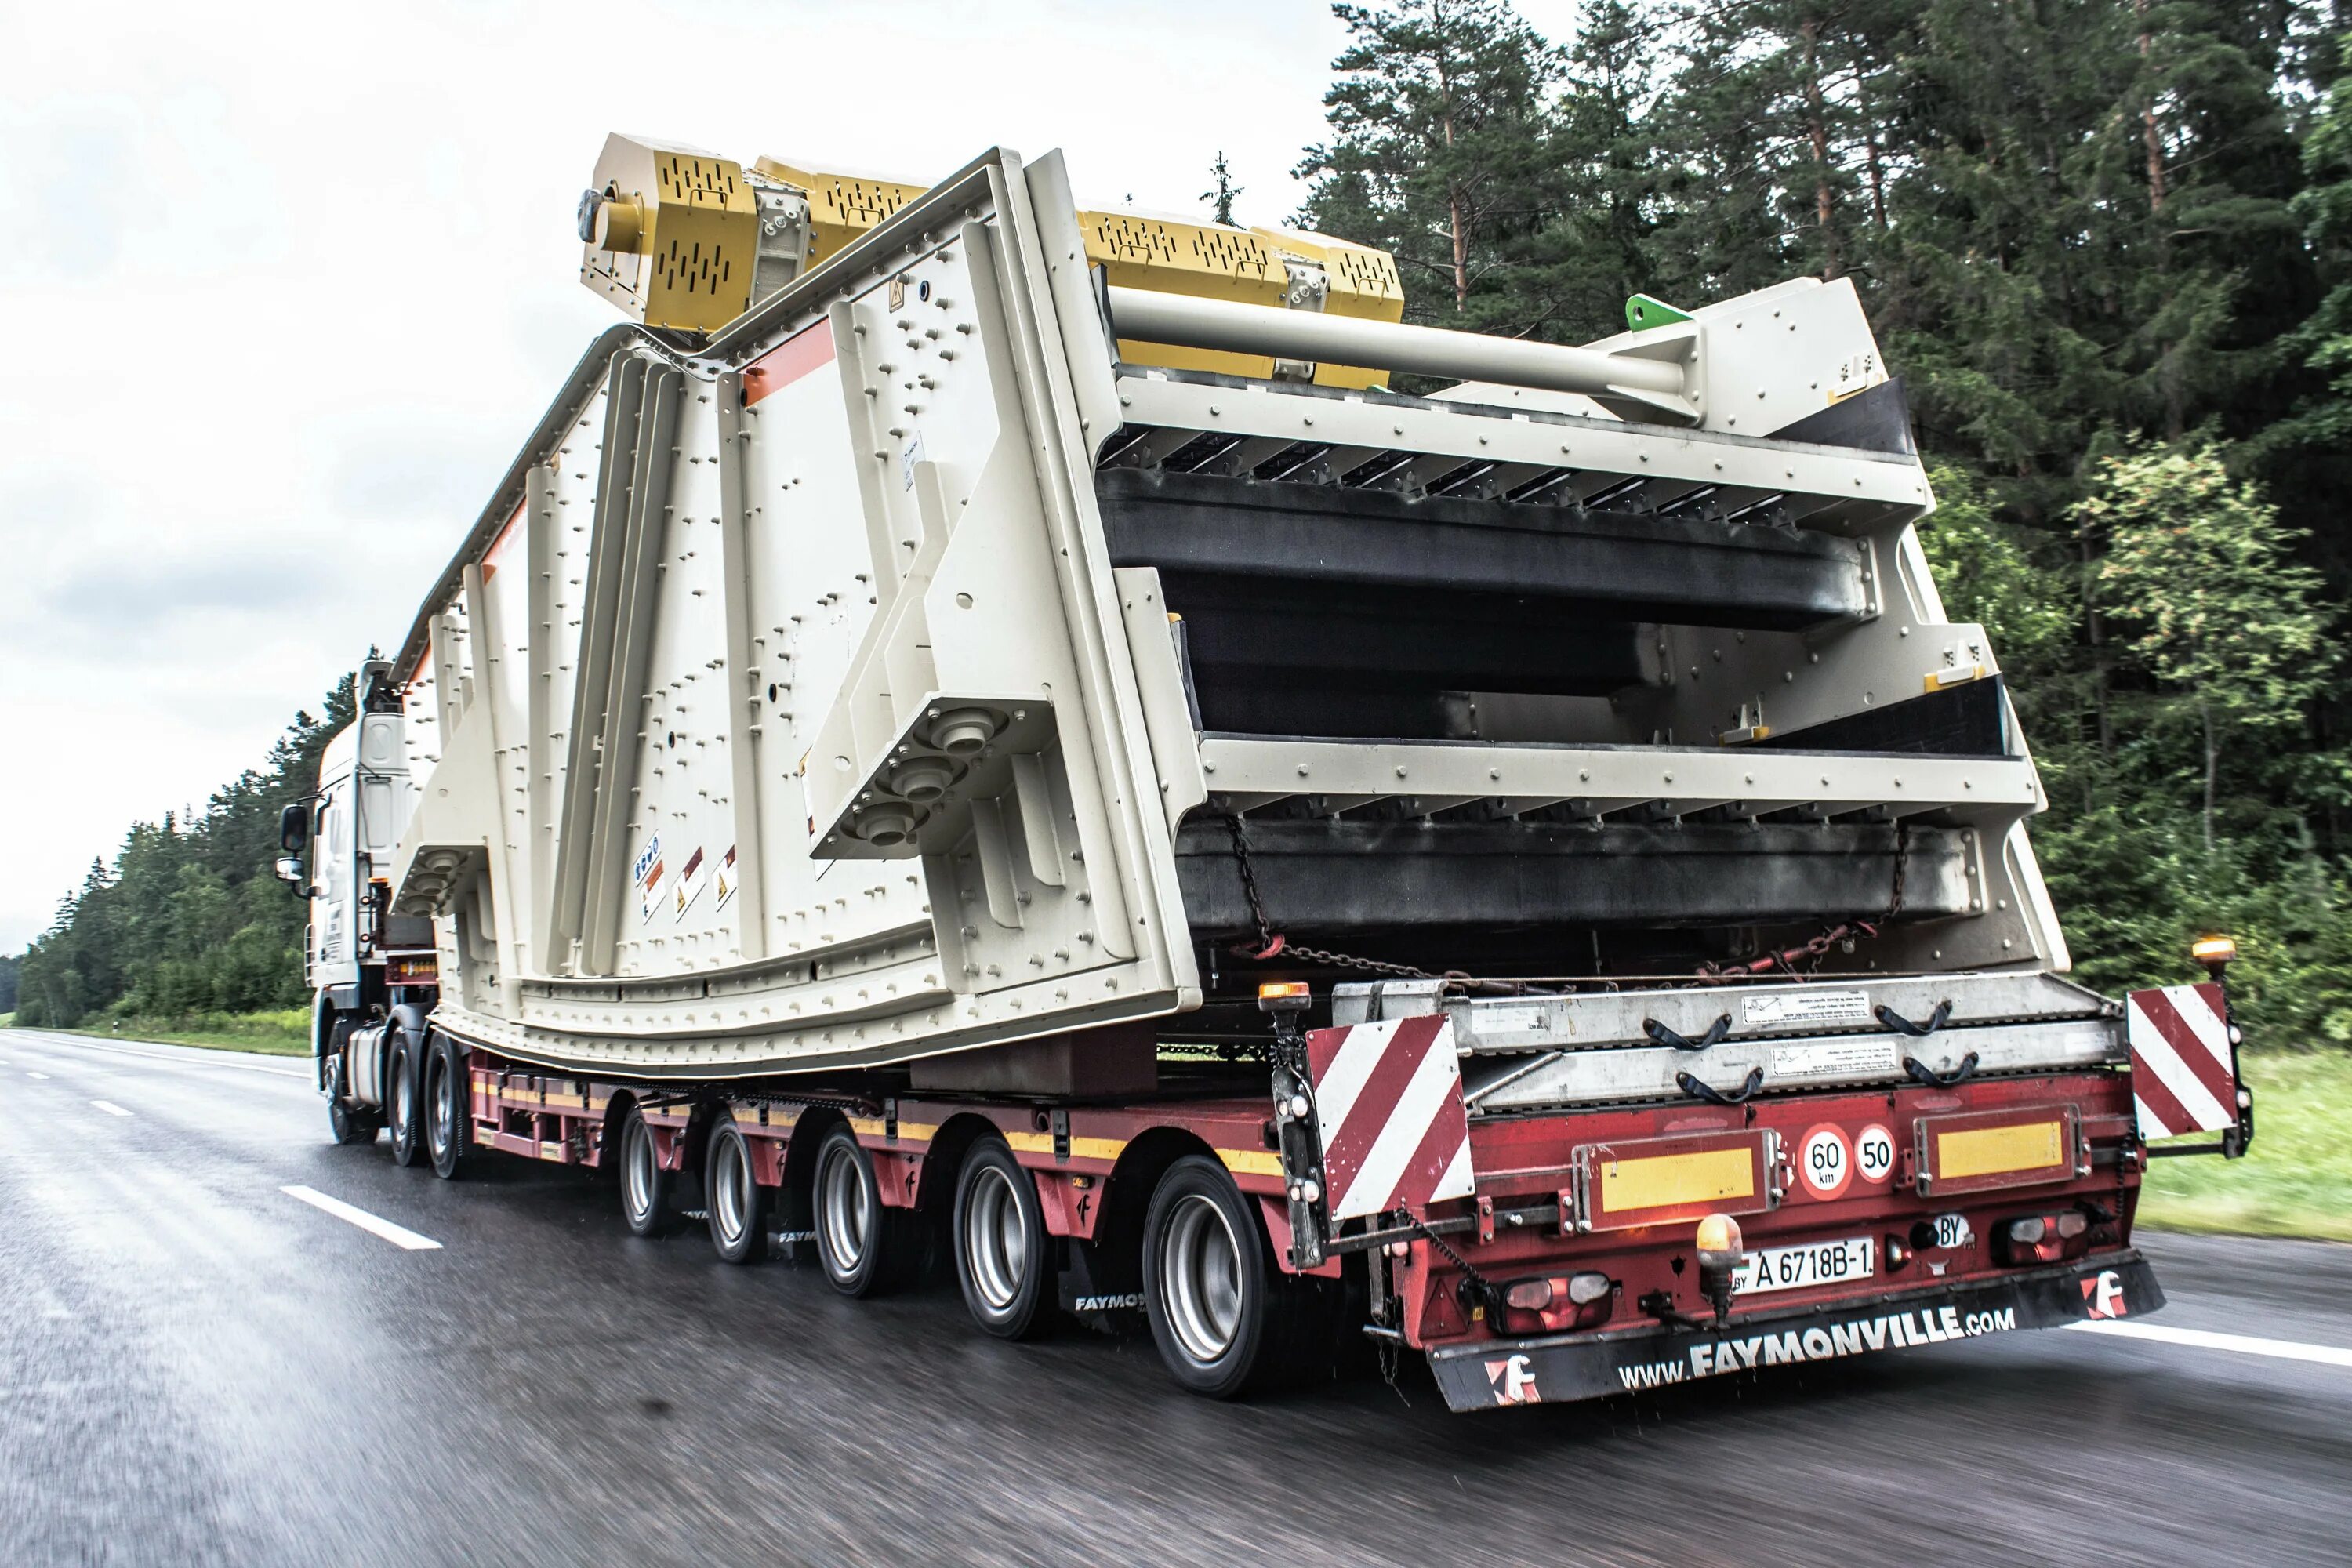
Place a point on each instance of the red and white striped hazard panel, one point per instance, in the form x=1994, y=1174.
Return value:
x=2181, y=1078
x=1388, y=1105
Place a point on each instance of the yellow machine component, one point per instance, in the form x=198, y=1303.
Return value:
x=687, y=240
x=841, y=207
x=1358, y=281
x=670, y=234
x=1255, y=266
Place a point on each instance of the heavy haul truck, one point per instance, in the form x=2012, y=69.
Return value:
x=976, y=724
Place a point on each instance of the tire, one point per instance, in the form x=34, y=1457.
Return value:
x=859, y=1242
x=648, y=1193
x=738, y=1204
x=401, y=1113
x=444, y=1108
x=1220, y=1309
x=347, y=1122
x=1003, y=1255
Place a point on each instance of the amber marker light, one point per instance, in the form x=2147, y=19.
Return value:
x=1283, y=997
x=1720, y=1249
x=2214, y=952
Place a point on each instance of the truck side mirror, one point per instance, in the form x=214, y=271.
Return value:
x=289, y=871
x=294, y=828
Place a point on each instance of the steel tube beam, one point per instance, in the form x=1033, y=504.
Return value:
x=1141, y=315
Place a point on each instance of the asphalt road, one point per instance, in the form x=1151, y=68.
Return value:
x=200, y=1368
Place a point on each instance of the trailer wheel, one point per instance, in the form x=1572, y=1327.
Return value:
x=646, y=1191
x=739, y=1203
x=399, y=1093
x=349, y=1123
x=1215, y=1299
x=446, y=1108
x=1001, y=1246
x=856, y=1239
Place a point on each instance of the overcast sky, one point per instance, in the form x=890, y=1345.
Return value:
x=286, y=286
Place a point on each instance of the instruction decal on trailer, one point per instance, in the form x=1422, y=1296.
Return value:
x=725, y=877
x=1778, y=1009
x=1834, y=1059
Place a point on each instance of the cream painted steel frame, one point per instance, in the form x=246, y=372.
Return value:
x=926, y=970
x=882, y=992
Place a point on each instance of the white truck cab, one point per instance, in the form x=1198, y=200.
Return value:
x=339, y=843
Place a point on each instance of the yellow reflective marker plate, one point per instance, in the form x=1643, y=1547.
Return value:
x=1661, y=1180
x=1996, y=1150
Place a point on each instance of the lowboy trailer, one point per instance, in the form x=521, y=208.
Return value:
x=980, y=725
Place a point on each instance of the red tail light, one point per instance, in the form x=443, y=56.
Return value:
x=2045, y=1239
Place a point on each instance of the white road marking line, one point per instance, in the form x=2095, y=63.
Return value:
x=2206, y=1340
x=109, y=1108
x=187, y=1055
x=42, y=1076
x=399, y=1236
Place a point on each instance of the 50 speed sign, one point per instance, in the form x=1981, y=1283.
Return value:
x=1873, y=1153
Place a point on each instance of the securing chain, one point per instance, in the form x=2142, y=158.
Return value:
x=1845, y=933
x=1489, y=1293
x=1272, y=943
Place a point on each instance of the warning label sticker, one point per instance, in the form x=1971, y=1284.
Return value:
x=1834, y=1059
x=1780, y=1009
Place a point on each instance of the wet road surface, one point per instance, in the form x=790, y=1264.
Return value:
x=198, y=1367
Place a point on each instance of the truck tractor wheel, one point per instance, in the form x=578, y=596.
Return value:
x=349, y=1123
x=1002, y=1251
x=647, y=1190
x=858, y=1241
x=1217, y=1302
x=446, y=1107
x=739, y=1203
x=400, y=1094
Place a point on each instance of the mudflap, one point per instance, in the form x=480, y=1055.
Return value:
x=1554, y=1369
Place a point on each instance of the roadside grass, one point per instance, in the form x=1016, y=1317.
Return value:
x=285, y=1033
x=2296, y=1180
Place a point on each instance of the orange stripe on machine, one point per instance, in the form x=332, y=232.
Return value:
x=795, y=357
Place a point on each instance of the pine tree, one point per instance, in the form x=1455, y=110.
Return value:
x=1220, y=195
x=1440, y=151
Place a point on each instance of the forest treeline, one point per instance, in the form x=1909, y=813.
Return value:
x=187, y=919
x=2108, y=246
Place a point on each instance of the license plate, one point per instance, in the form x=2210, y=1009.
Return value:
x=1796, y=1267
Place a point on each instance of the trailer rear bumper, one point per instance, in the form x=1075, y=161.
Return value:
x=1557, y=1368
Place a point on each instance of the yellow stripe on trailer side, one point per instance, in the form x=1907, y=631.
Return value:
x=875, y=1127
x=1080, y=1148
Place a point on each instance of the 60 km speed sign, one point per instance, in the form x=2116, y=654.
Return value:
x=1824, y=1162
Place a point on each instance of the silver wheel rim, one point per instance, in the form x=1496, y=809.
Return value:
x=841, y=1211
x=730, y=1184
x=1201, y=1277
x=400, y=1098
x=637, y=1169
x=995, y=1240
x=437, y=1108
